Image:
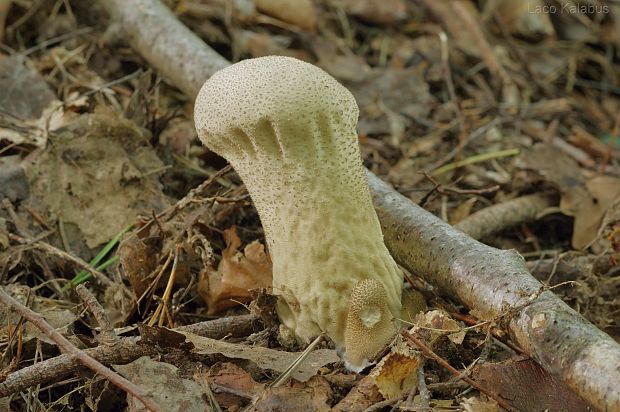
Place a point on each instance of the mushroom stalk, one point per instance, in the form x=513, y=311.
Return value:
x=288, y=129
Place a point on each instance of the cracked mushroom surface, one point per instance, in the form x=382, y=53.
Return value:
x=288, y=129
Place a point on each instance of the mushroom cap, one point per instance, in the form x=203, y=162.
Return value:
x=282, y=92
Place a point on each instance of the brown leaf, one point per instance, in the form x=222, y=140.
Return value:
x=362, y=396
x=435, y=323
x=390, y=96
x=386, y=12
x=610, y=228
x=24, y=91
x=179, y=134
x=396, y=374
x=265, y=358
x=53, y=311
x=588, y=205
x=98, y=175
x=161, y=382
x=231, y=385
x=311, y=396
x=138, y=259
x=521, y=19
x=301, y=13
x=586, y=200
x=475, y=404
x=527, y=385
x=236, y=275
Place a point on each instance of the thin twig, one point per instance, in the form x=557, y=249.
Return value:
x=168, y=291
x=428, y=352
x=447, y=73
x=107, y=335
x=160, y=311
x=284, y=377
x=66, y=346
x=63, y=255
x=166, y=214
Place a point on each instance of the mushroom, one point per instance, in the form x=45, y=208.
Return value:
x=288, y=129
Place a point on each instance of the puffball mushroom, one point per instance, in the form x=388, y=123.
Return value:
x=288, y=129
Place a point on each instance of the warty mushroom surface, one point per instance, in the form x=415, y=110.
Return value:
x=288, y=129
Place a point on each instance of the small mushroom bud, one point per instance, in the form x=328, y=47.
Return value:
x=288, y=129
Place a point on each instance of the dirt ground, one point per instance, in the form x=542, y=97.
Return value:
x=464, y=105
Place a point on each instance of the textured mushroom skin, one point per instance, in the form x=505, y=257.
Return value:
x=288, y=129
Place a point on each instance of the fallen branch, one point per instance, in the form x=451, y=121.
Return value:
x=494, y=283
x=497, y=286
x=124, y=351
x=172, y=49
x=76, y=353
x=504, y=215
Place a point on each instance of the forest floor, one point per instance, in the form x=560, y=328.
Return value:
x=462, y=106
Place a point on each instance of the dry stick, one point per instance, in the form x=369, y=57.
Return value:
x=107, y=335
x=447, y=73
x=124, y=351
x=428, y=352
x=67, y=347
x=497, y=333
x=504, y=215
x=166, y=214
x=486, y=279
x=145, y=25
x=63, y=255
x=160, y=312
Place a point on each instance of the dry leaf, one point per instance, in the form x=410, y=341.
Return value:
x=363, y=395
x=388, y=12
x=53, y=311
x=462, y=211
x=236, y=275
x=13, y=182
x=518, y=17
x=413, y=302
x=139, y=260
x=475, y=404
x=439, y=323
x=344, y=67
x=389, y=96
x=25, y=94
x=396, y=374
x=588, y=205
x=527, y=386
x=98, y=175
x=265, y=358
x=162, y=384
x=311, y=396
x=586, y=200
x=610, y=228
x=226, y=377
x=301, y=13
